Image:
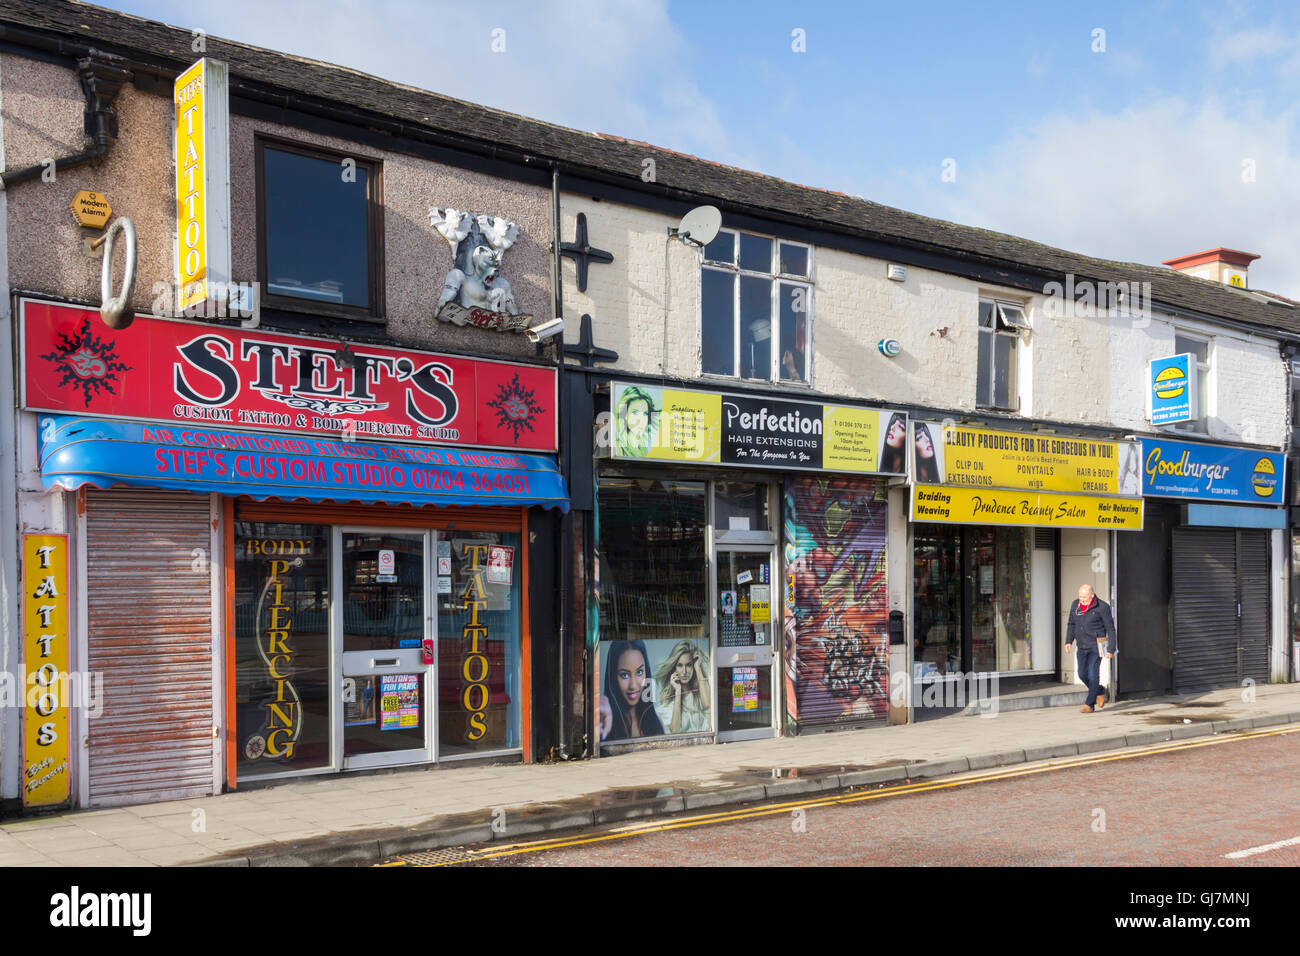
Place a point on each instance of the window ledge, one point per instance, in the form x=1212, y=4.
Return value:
x=782, y=382
x=304, y=306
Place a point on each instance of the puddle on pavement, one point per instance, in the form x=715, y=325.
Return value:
x=1201, y=717
x=758, y=774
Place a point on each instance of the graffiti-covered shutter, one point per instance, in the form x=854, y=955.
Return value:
x=149, y=616
x=837, y=613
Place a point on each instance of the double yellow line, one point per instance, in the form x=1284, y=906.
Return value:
x=626, y=831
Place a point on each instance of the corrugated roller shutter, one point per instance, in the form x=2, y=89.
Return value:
x=1205, y=607
x=150, y=636
x=1256, y=608
x=836, y=530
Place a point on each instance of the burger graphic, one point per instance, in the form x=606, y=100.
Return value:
x=1170, y=383
x=1264, y=478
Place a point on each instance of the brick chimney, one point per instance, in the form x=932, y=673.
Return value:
x=1219, y=265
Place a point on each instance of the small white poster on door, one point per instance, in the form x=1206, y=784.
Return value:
x=501, y=564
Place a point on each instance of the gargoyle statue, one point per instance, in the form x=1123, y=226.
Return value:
x=477, y=245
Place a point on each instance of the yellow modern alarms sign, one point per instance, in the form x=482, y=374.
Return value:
x=90, y=209
x=45, y=662
x=202, y=152
x=946, y=504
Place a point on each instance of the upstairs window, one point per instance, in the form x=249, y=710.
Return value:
x=318, y=231
x=756, y=308
x=1000, y=326
x=1200, y=351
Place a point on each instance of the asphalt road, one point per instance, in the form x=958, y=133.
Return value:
x=1188, y=807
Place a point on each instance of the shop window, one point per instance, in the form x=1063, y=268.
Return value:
x=654, y=609
x=282, y=648
x=740, y=506
x=1200, y=350
x=1295, y=411
x=973, y=600
x=756, y=308
x=318, y=231
x=479, y=701
x=1000, y=327
x=1000, y=620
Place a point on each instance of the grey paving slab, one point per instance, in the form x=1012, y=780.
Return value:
x=1098, y=744
x=60, y=840
x=154, y=839
x=1233, y=725
x=724, y=796
x=24, y=857
x=1001, y=758
x=176, y=855
x=101, y=856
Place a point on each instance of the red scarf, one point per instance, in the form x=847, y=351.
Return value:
x=1083, y=608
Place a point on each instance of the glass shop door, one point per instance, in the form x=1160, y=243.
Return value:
x=387, y=647
x=744, y=615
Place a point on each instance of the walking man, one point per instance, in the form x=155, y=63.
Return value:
x=1094, y=628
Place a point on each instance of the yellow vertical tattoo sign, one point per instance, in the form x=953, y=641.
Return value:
x=191, y=182
x=474, y=664
x=45, y=661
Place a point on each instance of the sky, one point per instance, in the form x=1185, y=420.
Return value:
x=1130, y=131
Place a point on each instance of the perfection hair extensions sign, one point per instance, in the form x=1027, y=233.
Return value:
x=724, y=428
x=201, y=375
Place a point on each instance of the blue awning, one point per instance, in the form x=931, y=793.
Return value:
x=1236, y=516
x=104, y=453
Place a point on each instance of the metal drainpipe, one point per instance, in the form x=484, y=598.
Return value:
x=563, y=562
x=101, y=76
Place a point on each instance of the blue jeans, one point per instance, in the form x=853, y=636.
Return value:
x=1089, y=662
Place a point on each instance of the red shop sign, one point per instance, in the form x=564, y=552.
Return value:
x=167, y=370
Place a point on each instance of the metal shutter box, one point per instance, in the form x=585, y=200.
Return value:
x=150, y=635
x=1256, y=608
x=1205, y=607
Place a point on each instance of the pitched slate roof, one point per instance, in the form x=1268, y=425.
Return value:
x=619, y=160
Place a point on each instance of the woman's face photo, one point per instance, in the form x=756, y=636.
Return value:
x=684, y=670
x=897, y=432
x=923, y=444
x=638, y=417
x=630, y=672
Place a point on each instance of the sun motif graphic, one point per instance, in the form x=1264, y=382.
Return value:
x=88, y=362
x=516, y=406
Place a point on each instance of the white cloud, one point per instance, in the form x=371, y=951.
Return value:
x=618, y=66
x=1160, y=179
x=1247, y=46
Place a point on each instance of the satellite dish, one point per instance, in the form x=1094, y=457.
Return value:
x=700, y=226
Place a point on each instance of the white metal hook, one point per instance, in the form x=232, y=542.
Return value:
x=114, y=310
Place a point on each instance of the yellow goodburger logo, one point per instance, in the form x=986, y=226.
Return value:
x=1264, y=478
x=1170, y=382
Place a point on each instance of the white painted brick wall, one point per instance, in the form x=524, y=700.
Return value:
x=1248, y=391
x=1073, y=368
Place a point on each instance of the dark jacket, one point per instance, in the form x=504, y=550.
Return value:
x=1095, y=624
